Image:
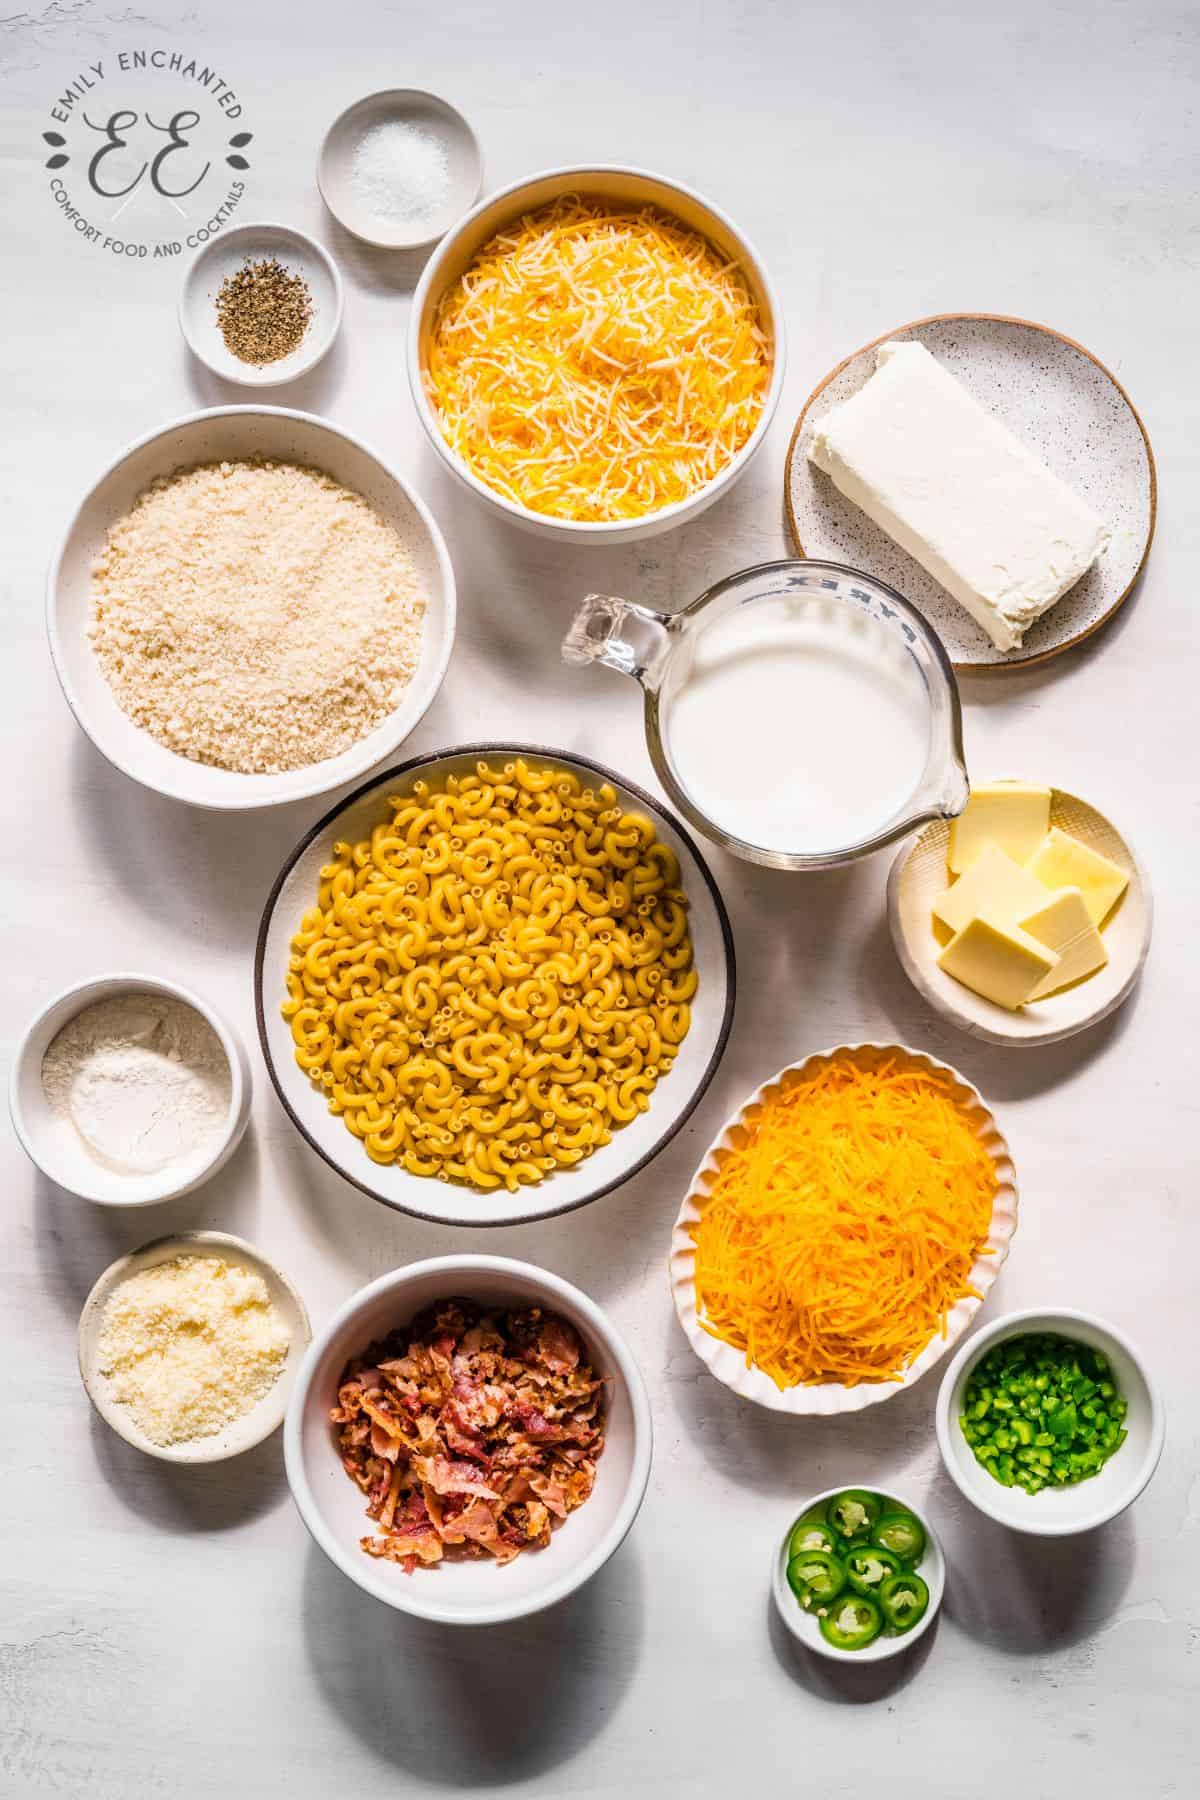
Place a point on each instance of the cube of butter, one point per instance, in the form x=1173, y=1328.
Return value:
x=994, y=887
x=1010, y=814
x=1000, y=962
x=1062, y=861
x=1065, y=926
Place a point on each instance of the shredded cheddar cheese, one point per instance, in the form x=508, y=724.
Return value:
x=597, y=364
x=844, y=1224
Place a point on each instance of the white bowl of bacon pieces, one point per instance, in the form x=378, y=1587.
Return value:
x=469, y=1439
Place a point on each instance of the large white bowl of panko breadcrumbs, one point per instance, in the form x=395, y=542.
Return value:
x=249, y=607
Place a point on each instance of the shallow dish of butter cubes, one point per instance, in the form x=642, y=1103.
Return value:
x=1038, y=889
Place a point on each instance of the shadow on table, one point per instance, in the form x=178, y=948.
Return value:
x=784, y=1457
x=1018, y=687
x=378, y=270
x=76, y=1241
x=1023, y=1595
x=313, y=392
x=191, y=1496
x=999, y=1072
x=204, y=874
x=846, y=1684
x=475, y=1709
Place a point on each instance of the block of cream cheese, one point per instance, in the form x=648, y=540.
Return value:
x=1010, y=814
x=1065, y=926
x=994, y=887
x=955, y=489
x=1001, y=962
x=1062, y=861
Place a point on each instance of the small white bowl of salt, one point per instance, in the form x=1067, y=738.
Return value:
x=399, y=168
x=129, y=1089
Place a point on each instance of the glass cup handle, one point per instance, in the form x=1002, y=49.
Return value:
x=634, y=640
x=955, y=790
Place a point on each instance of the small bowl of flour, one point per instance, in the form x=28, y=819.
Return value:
x=128, y=1089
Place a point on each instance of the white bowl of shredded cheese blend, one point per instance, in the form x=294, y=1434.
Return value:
x=189, y=1346
x=621, y=337
x=129, y=1089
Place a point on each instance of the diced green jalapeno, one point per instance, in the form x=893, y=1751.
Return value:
x=904, y=1599
x=851, y=1514
x=815, y=1577
x=852, y=1622
x=1042, y=1411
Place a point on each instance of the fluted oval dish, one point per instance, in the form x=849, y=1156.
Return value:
x=729, y=1365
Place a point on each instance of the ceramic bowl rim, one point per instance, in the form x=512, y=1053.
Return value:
x=320, y=346
x=458, y=1268
x=1011, y=1324
x=241, y=1084
x=599, y=531
x=184, y=1243
x=321, y=784
x=399, y=772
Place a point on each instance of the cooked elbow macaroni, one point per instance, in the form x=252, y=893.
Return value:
x=493, y=981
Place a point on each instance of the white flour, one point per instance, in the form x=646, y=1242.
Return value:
x=143, y=1079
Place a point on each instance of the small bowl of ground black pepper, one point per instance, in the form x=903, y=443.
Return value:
x=261, y=304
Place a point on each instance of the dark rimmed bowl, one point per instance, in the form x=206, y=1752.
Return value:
x=632, y=1147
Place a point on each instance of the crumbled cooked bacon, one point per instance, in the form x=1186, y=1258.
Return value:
x=471, y=1434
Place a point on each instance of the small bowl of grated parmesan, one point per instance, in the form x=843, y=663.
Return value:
x=189, y=1346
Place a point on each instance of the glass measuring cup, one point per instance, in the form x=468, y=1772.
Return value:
x=659, y=650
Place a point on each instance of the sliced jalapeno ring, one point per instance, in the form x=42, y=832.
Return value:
x=810, y=1534
x=852, y=1622
x=904, y=1599
x=852, y=1514
x=815, y=1577
x=869, y=1567
x=902, y=1534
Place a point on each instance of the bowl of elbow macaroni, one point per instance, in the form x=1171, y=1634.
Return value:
x=493, y=983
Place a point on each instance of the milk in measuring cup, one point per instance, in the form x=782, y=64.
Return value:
x=797, y=724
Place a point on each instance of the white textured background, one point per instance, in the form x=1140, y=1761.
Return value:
x=168, y=1632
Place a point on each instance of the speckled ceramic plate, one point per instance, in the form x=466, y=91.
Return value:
x=728, y=1364
x=1057, y=399
x=919, y=875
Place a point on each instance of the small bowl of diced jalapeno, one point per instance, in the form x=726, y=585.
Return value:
x=1049, y=1422
x=859, y=1574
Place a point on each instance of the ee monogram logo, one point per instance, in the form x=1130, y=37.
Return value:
x=137, y=169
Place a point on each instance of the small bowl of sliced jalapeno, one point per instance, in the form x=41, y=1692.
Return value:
x=859, y=1574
